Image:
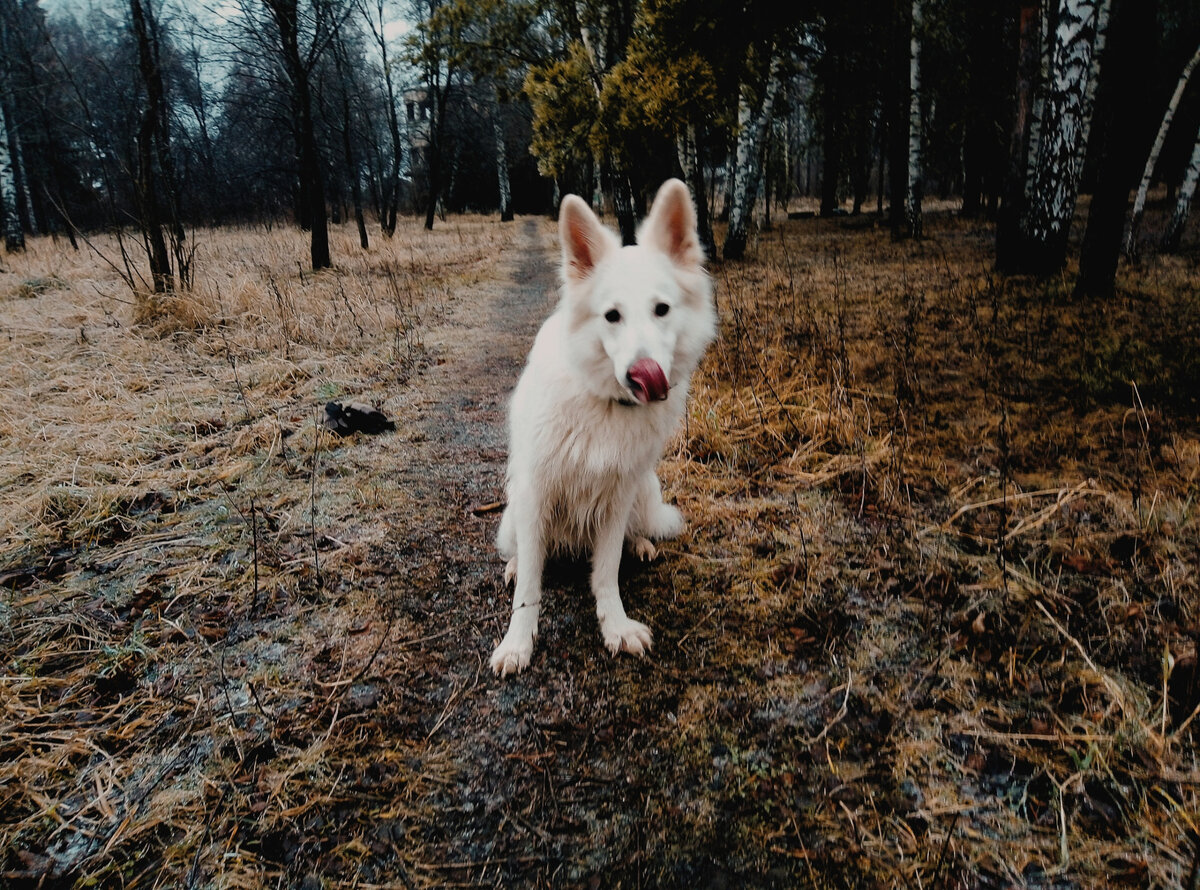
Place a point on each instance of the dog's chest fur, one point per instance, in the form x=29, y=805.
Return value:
x=585, y=457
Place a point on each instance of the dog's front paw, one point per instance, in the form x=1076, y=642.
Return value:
x=512, y=655
x=626, y=635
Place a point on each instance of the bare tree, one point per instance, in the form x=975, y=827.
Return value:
x=373, y=14
x=346, y=124
x=155, y=185
x=1139, y=202
x=295, y=35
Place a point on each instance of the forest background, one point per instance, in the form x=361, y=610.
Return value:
x=166, y=117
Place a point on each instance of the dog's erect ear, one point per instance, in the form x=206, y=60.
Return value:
x=671, y=225
x=585, y=241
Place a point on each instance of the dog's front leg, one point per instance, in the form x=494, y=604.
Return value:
x=515, y=650
x=621, y=633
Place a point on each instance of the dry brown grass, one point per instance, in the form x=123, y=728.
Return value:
x=937, y=490
x=935, y=624
x=159, y=509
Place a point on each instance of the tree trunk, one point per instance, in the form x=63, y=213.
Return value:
x=622, y=197
x=1040, y=86
x=1119, y=114
x=25, y=204
x=10, y=161
x=688, y=149
x=502, y=180
x=310, y=172
x=860, y=173
x=339, y=51
x=831, y=142
x=916, y=186
x=749, y=165
x=1047, y=220
x=286, y=18
x=1139, y=202
x=1183, y=201
x=972, y=171
x=897, y=112
x=14, y=237
x=389, y=192
x=435, y=152
x=1012, y=206
x=1093, y=83
x=882, y=150
x=151, y=176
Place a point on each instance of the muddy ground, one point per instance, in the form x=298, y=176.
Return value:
x=933, y=623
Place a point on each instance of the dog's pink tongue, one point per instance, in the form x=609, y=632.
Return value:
x=648, y=381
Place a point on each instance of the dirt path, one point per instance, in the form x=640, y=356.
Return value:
x=549, y=776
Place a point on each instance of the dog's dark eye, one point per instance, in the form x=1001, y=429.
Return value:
x=612, y=316
x=661, y=309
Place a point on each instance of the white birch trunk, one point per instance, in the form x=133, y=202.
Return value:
x=14, y=238
x=735, y=180
x=1183, y=200
x=1056, y=179
x=1139, y=201
x=912, y=205
x=502, y=180
x=749, y=160
x=685, y=150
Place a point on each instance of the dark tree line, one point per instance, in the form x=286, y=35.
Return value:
x=153, y=117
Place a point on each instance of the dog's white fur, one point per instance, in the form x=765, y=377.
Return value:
x=584, y=437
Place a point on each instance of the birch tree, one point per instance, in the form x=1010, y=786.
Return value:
x=915, y=129
x=503, y=184
x=1183, y=201
x=1139, y=201
x=14, y=237
x=687, y=148
x=1053, y=189
x=752, y=128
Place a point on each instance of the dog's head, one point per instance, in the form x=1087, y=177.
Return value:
x=640, y=316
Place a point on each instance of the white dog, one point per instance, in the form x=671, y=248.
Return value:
x=605, y=386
